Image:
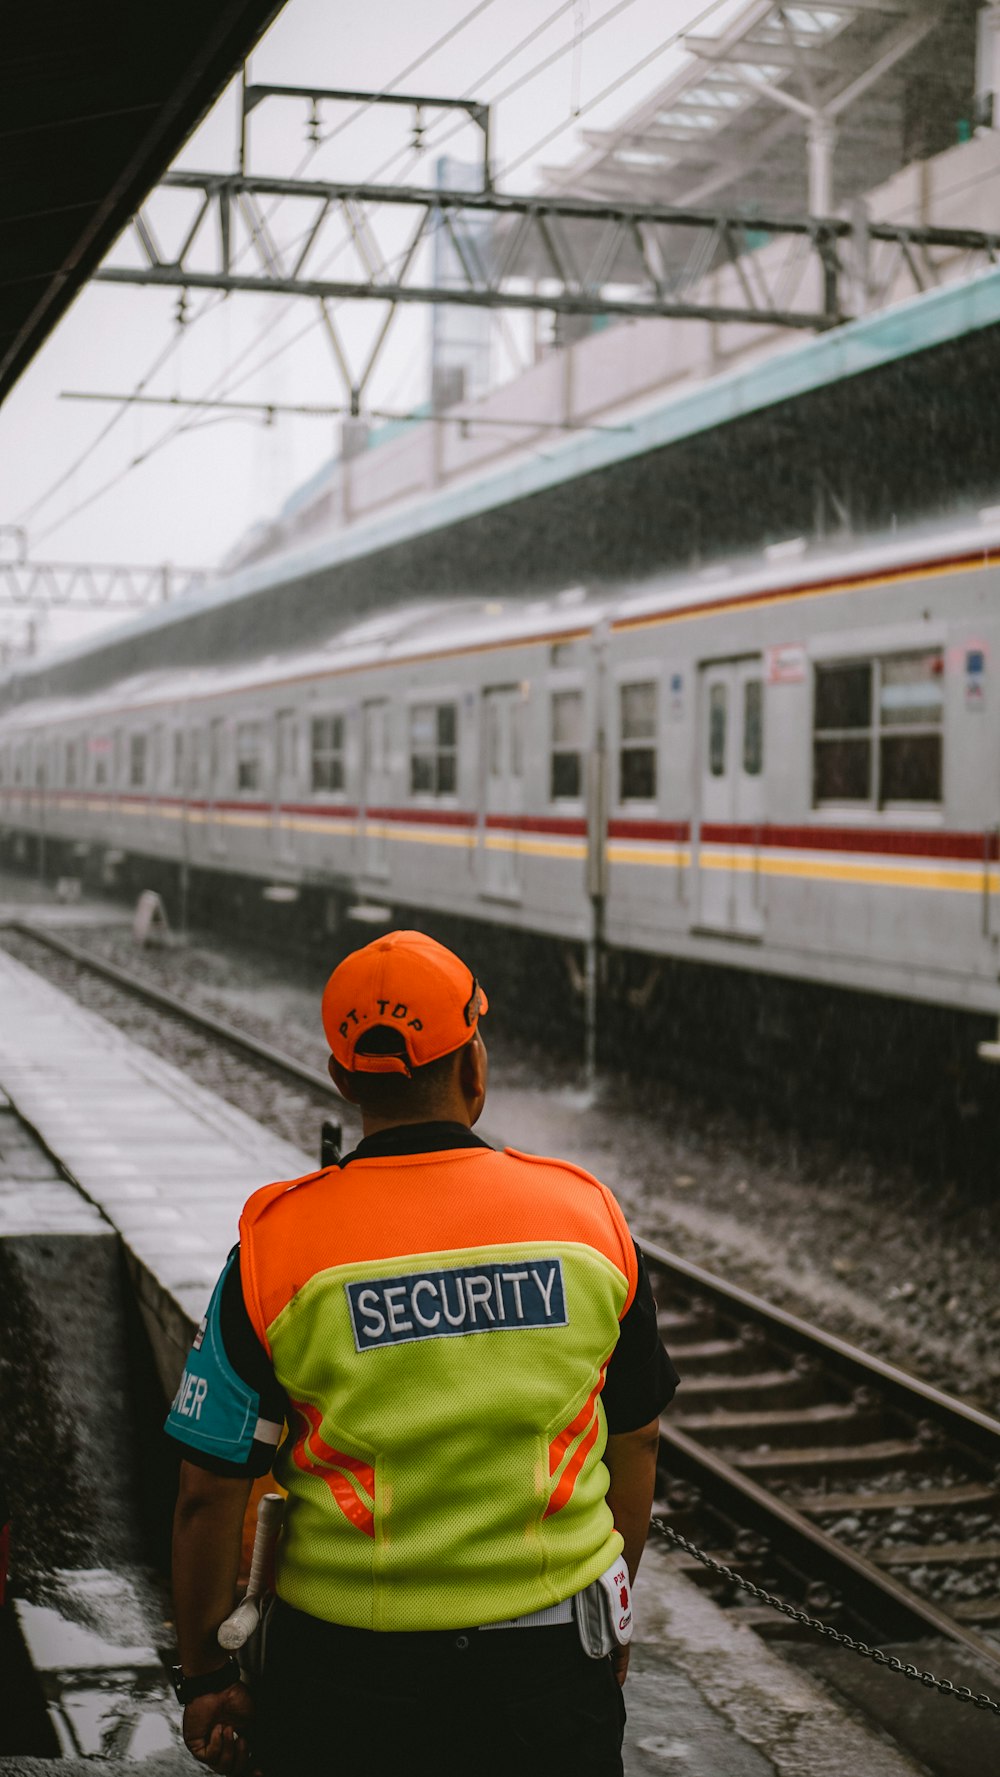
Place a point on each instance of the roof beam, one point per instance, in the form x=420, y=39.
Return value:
x=898, y=46
x=776, y=54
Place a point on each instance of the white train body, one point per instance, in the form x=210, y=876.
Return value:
x=792, y=771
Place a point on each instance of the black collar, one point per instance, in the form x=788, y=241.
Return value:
x=414, y=1138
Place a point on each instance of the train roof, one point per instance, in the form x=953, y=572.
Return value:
x=793, y=566
x=446, y=627
x=440, y=629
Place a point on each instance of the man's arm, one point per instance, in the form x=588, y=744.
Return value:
x=208, y=1530
x=630, y=1459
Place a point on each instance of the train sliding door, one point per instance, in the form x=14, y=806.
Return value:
x=375, y=789
x=731, y=798
x=500, y=854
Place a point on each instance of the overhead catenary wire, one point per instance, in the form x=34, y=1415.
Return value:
x=411, y=67
x=399, y=153
x=179, y=427
x=213, y=301
x=480, y=81
x=183, y=426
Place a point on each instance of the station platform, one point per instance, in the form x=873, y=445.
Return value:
x=160, y=1169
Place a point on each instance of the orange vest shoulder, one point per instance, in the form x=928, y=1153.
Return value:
x=628, y=1261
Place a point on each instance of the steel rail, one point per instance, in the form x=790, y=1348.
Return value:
x=883, y=1602
x=965, y=1424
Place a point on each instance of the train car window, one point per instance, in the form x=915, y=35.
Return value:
x=249, y=758
x=433, y=749
x=288, y=748
x=844, y=696
x=117, y=757
x=753, y=727
x=911, y=714
x=70, y=765
x=137, y=761
x=195, y=746
x=842, y=739
x=877, y=730
x=326, y=744
x=100, y=751
x=566, y=777
x=637, y=750
x=178, y=761
x=718, y=709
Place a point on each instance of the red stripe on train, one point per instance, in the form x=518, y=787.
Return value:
x=530, y=823
x=424, y=817
x=886, y=841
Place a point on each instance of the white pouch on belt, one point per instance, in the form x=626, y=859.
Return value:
x=603, y=1612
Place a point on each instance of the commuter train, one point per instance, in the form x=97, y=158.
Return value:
x=793, y=769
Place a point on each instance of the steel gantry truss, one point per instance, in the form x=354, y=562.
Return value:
x=587, y=256
x=573, y=256
x=570, y=256
x=93, y=586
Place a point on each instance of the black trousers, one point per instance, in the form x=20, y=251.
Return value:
x=486, y=1703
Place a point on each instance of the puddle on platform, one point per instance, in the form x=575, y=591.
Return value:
x=103, y=1683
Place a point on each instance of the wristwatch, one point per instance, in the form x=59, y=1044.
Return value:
x=201, y=1684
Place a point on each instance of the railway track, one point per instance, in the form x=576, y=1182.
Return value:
x=850, y=1488
x=275, y=1059
x=822, y=1473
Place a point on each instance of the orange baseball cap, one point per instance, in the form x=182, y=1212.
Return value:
x=406, y=982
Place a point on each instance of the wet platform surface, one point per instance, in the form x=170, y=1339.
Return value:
x=167, y=1166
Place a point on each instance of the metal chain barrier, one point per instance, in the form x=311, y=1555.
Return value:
x=876, y=1654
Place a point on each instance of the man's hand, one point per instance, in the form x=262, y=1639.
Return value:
x=217, y=1729
x=619, y=1661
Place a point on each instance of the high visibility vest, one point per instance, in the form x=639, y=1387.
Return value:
x=441, y=1324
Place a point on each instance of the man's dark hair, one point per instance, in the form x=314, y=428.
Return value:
x=415, y=1095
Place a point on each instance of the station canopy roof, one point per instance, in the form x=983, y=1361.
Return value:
x=889, y=81
x=95, y=101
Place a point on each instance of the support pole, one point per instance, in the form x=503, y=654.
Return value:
x=591, y=971
x=988, y=68
x=822, y=142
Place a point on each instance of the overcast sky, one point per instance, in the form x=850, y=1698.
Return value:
x=184, y=489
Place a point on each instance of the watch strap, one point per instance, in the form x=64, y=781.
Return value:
x=202, y=1684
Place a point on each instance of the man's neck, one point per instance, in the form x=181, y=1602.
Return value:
x=447, y=1114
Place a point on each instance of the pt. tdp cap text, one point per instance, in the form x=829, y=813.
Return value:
x=490, y=1298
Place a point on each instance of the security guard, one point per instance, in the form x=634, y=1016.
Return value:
x=463, y=1345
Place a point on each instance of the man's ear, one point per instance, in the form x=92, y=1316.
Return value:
x=472, y=1075
x=342, y=1079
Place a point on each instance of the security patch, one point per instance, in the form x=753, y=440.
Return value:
x=500, y=1298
